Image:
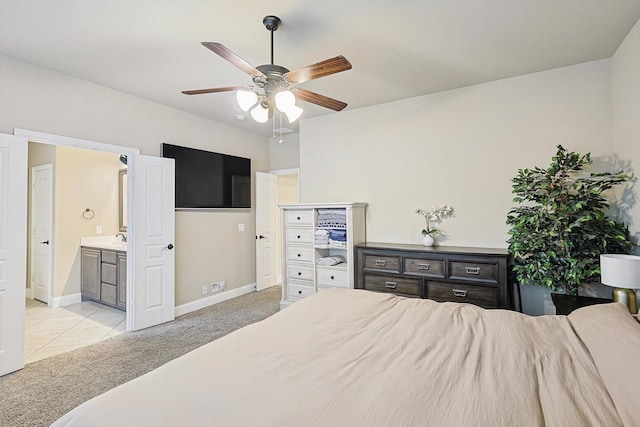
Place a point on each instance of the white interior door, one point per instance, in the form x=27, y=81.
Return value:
x=265, y=230
x=152, y=229
x=41, y=231
x=13, y=249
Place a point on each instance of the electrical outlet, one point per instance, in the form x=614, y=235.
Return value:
x=240, y=227
x=215, y=287
x=204, y=289
x=221, y=285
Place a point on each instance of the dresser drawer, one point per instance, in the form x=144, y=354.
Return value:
x=299, y=217
x=300, y=271
x=392, y=284
x=483, y=296
x=109, y=273
x=109, y=257
x=300, y=235
x=487, y=272
x=382, y=262
x=300, y=253
x=425, y=267
x=108, y=294
x=332, y=277
x=295, y=290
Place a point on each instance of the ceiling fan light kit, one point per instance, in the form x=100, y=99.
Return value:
x=246, y=99
x=274, y=85
x=260, y=113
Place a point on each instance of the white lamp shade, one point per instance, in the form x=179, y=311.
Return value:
x=260, y=114
x=620, y=270
x=293, y=113
x=246, y=99
x=285, y=100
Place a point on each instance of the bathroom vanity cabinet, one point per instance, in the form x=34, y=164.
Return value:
x=104, y=276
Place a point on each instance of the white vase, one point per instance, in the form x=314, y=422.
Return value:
x=428, y=240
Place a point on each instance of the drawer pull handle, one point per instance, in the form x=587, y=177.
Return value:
x=380, y=263
x=298, y=218
x=391, y=285
x=300, y=292
x=332, y=277
x=299, y=255
x=299, y=273
x=423, y=266
x=472, y=270
x=298, y=236
x=459, y=293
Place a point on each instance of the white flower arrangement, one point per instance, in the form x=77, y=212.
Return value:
x=434, y=215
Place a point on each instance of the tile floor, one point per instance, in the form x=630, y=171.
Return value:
x=51, y=331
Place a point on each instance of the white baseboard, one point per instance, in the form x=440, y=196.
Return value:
x=65, y=300
x=29, y=293
x=214, y=299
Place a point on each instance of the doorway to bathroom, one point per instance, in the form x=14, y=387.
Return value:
x=75, y=197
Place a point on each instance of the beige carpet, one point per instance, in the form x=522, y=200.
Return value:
x=45, y=390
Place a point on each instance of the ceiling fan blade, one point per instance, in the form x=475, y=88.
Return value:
x=321, y=100
x=233, y=58
x=213, y=90
x=320, y=69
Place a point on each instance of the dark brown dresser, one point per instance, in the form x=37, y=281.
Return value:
x=441, y=273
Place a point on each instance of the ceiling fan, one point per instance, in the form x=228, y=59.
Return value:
x=274, y=86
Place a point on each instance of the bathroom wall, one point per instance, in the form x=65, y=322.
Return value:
x=82, y=179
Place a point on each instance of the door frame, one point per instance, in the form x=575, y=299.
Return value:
x=32, y=240
x=51, y=139
x=278, y=226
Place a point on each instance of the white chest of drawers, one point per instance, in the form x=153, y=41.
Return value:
x=301, y=274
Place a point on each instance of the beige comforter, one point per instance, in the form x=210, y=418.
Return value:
x=358, y=358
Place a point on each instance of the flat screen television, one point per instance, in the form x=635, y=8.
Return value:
x=206, y=180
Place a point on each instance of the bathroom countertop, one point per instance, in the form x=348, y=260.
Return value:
x=104, y=242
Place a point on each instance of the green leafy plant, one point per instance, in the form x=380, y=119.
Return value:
x=559, y=229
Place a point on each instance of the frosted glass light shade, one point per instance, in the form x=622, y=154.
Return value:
x=285, y=100
x=620, y=270
x=293, y=113
x=260, y=114
x=246, y=99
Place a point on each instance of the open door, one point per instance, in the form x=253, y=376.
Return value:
x=41, y=231
x=153, y=230
x=265, y=230
x=13, y=249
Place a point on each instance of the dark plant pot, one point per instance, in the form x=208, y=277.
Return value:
x=565, y=304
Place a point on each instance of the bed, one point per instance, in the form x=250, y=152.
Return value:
x=359, y=358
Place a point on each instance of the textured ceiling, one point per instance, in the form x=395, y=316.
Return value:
x=399, y=49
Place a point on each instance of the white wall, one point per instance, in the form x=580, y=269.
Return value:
x=460, y=147
x=208, y=245
x=625, y=78
x=625, y=82
x=285, y=155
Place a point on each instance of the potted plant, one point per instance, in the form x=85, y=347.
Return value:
x=431, y=216
x=560, y=228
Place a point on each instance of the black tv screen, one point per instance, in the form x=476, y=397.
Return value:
x=209, y=180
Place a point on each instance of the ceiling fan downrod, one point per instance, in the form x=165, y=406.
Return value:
x=271, y=23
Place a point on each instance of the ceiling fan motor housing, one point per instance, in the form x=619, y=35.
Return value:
x=275, y=80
